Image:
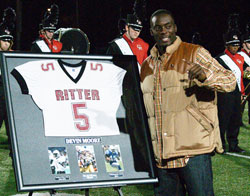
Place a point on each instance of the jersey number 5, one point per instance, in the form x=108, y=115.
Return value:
x=83, y=125
x=47, y=67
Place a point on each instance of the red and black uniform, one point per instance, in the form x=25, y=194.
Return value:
x=248, y=53
x=229, y=104
x=53, y=46
x=138, y=47
x=246, y=81
x=247, y=88
x=239, y=61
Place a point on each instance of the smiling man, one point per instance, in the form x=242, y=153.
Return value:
x=179, y=81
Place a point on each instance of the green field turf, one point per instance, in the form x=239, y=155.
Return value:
x=231, y=174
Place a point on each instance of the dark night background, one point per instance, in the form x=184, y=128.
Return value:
x=98, y=19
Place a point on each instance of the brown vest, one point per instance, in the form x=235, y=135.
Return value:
x=189, y=113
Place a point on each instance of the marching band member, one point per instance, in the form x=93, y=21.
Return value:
x=6, y=43
x=229, y=104
x=130, y=43
x=46, y=42
x=245, y=52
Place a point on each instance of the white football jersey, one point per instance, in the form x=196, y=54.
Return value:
x=76, y=100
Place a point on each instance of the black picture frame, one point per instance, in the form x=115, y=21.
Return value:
x=31, y=148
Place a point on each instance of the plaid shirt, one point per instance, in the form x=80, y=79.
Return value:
x=212, y=70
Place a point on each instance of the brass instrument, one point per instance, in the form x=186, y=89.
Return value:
x=246, y=75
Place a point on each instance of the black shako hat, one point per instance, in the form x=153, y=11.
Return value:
x=134, y=22
x=8, y=24
x=232, y=36
x=50, y=18
x=5, y=34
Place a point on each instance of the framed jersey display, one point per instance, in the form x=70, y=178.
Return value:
x=76, y=121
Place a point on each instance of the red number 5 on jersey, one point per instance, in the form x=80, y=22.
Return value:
x=84, y=124
x=96, y=66
x=47, y=67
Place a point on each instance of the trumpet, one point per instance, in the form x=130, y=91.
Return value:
x=246, y=75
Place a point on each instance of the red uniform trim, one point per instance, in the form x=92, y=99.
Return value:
x=239, y=61
x=54, y=45
x=243, y=50
x=139, y=48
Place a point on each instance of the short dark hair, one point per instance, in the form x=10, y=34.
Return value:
x=159, y=12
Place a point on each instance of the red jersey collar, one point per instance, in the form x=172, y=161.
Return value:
x=128, y=40
x=230, y=54
x=45, y=39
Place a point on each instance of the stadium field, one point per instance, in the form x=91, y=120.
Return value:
x=231, y=173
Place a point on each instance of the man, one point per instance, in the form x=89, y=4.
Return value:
x=6, y=42
x=179, y=83
x=6, y=28
x=229, y=104
x=46, y=42
x=130, y=43
x=112, y=156
x=245, y=52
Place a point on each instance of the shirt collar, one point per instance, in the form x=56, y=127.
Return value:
x=128, y=40
x=229, y=53
x=169, y=50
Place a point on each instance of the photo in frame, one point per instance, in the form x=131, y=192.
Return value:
x=70, y=102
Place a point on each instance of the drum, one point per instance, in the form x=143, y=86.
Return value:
x=74, y=40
